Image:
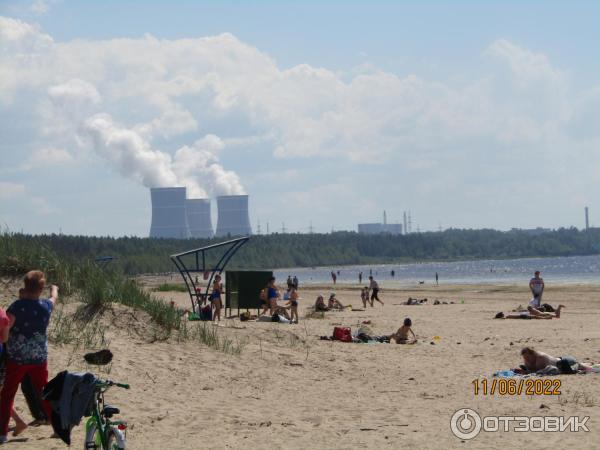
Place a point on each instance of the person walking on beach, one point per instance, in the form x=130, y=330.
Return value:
x=437, y=279
x=359, y=277
x=295, y=282
x=374, y=288
x=27, y=345
x=333, y=276
x=536, y=286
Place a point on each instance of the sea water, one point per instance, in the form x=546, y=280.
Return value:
x=571, y=269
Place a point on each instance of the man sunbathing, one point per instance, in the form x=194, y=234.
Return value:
x=531, y=313
x=401, y=336
x=536, y=361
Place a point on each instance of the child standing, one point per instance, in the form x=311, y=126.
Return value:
x=364, y=296
x=293, y=303
x=27, y=345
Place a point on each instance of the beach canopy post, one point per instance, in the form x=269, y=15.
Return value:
x=103, y=261
x=205, y=261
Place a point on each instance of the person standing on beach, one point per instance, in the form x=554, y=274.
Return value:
x=437, y=279
x=359, y=277
x=27, y=345
x=374, y=288
x=273, y=295
x=290, y=283
x=333, y=276
x=295, y=282
x=536, y=286
x=215, y=298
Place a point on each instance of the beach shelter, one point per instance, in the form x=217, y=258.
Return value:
x=199, y=266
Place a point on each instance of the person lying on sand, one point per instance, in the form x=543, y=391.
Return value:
x=531, y=313
x=414, y=301
x=401, y=336
x=536, y=361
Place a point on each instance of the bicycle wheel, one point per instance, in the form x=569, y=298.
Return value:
x=92, y=438
x=116, y=439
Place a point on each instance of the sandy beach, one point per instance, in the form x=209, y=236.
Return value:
x=289, y=389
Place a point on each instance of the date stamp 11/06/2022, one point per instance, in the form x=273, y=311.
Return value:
x=509, y=386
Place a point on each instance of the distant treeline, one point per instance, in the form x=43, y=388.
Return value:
x=143, y=255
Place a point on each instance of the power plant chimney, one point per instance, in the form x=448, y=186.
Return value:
x=587, y=219
x=169, y=219
x=198, y=217
x=234, y=219
x=384, y=217
x=405, y=224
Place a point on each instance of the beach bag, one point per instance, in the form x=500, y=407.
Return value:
x=567, y=365
x=206, y=313
x=343, y=334
x=33, y=399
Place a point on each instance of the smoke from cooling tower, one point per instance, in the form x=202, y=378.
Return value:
x=196, y=166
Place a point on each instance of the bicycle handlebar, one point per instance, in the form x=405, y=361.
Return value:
x=109, y=383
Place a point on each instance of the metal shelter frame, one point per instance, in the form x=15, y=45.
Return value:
x=194, y=289
x=103, y=261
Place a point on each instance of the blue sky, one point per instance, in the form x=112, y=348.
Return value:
x=468, y=114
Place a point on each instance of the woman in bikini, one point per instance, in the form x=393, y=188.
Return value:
x=215, y=297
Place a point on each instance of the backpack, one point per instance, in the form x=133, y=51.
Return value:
x=343, y=334
x=206, y=313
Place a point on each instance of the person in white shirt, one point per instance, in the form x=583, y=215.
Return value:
x=374, y=287
x=536, y=286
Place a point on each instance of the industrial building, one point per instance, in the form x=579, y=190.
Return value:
x=233, y=218
x=169, y=218
x=198, y=217
x=175, y=216
x=380, y=228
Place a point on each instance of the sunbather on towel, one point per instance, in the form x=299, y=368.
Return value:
x=401, y=336
x=531, y=313
x=535, y=361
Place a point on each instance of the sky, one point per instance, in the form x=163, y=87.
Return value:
x=467, y=114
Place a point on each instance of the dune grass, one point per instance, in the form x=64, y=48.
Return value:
x=170, y=287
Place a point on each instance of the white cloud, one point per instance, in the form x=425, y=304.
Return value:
x=74, y=91
x=47, y=156
x=40, y=7
x=10, y=190
x=141, y=99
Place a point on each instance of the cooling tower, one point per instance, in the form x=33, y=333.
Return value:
x=198, y=217
x=168, y=213
x=234, y=219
